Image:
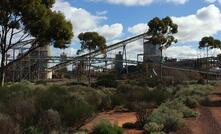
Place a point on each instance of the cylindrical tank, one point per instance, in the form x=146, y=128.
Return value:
x=152, y=52
x=119, y=62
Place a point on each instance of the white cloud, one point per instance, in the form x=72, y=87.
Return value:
x=138, y=29
x=84, y=21
x=110, y=31
x=187, y=51
x=101, y=12
x=212, y=1
x=206, y=22
x=140, y=2
x=177, y=1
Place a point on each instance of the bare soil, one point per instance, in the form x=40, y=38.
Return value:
x=118, y=118
x=209, y=121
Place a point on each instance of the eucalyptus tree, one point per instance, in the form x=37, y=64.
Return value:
x=31, y=24
x=162, y=33
x=209, y=43
x=91, y=41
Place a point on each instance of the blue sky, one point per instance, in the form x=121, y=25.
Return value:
x=120, y=19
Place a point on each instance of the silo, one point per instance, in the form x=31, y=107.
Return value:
x=119, y=62
x=152, y=53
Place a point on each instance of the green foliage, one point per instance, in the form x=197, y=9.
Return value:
x=180, y=107
x=91, y=41
x=81, y=132
x=158, y=132
x=33, y=130
x=209, y=42
x=106, y=80
x=161, y=31
x=158, y=95
x=153, y=127
x=171, y=119
x=49, y=108
x=131, y=95
x=73, y=110
x=142, y=116
x=50, y=122
x=191, y=95
x=105, y=127
x=7, y=125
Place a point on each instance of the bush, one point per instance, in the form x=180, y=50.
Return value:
x=72, y=109
x=8, y=126
x=153, y=127
x=142, y=115
x=201, y=81
x=22, y=111
x=158, y=132
x=180, y=107
x=81, y=132
x=105, y=127
x=33, y=130
x=106, y=83
x=129, y=125
x=106, y=80
x=171, y=119
x=190, y=101
x=50, y=121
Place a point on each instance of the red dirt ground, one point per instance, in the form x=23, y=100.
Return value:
x=114, y=117
x=209, y=121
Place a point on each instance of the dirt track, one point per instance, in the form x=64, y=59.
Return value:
x=209, y=121
x=114, y=117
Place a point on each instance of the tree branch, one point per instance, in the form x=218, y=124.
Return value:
x=23, y=43
x=34, y=46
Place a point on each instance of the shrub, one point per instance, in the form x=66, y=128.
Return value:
x=180, y=107
x=153, y=82
x=152, y=127
x=106, y=80
x=106, y=83
x=158, y=132
x=170, y=119
x=129, y=125
x=142, y=115
x=81, y=132
x=190, y=101
x=22, y=111
x=72, y=109
x=41, y=82
x=157, y=95
x=201, y=81
x=33, y=130
x=105, y=127
x=50, y=121
x=106, y=103
x=8, y=126
x=117, y=99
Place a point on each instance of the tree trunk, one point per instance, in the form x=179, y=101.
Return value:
x=89, y=72
x=161, y=66
x=207, y=67
x=2, y=70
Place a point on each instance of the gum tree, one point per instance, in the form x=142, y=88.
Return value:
x=31, y=24
x=209, y=43
x=91, y=41
x=162, y=33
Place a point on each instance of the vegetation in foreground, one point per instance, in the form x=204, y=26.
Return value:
x=36, y=109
